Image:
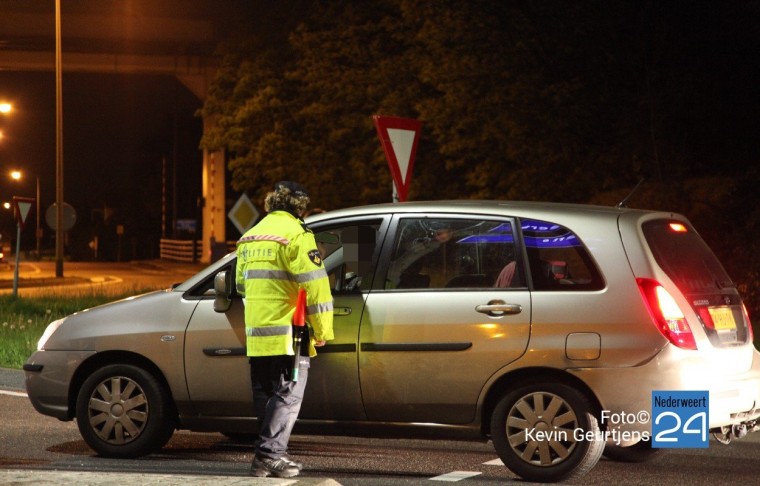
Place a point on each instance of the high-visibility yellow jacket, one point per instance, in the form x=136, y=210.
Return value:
x=274, y=259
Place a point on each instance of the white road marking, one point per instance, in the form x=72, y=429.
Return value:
x=495, y=462
x=13, y=394
x=456, y=476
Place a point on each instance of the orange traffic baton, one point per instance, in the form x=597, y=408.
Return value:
x=299, y=324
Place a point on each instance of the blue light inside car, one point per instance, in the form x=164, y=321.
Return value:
x=540, y=234
x=534, y=225
x=568, y=240
x=502, y=228
x=537, y=234
x=488, y=238
x=498, y=234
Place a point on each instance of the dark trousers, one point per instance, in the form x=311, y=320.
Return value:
x=277, y=401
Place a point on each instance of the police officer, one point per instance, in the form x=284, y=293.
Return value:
x=275, y=258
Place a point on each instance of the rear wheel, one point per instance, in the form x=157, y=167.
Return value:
x=546, y=432
x=124, y=411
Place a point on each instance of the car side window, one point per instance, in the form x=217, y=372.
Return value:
x=348, y=254
x=558, y=259
x=448, y=253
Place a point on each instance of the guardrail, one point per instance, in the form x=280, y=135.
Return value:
x=188, y=251
x=191, y=251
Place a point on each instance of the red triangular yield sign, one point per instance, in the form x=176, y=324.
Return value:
x=22, y=206
x=399, y=138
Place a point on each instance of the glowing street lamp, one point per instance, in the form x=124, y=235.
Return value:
x=5, y=108
x=17, y=175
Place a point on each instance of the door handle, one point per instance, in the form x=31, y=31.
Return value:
x=498, y=308
x=342, y=311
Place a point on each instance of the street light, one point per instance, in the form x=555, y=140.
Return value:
x=17, y=175
x=58, y=144
x=5, y=108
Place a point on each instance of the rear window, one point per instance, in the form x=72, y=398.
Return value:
x=558, y=259
x=685, y=257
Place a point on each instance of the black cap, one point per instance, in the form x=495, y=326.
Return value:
x=294, y=187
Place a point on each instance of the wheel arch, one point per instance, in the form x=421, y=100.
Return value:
x=106, y=358
x=516, y=378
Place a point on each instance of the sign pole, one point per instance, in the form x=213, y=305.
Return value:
x=21, y=207
x=18, y=259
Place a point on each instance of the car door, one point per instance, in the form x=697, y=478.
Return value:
x=349, y=249
x=216, y=365
x=452, y=310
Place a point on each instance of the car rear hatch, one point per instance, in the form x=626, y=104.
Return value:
x=693, y=268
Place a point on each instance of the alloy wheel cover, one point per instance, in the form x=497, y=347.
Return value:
x=540, y=429
x=118, y=410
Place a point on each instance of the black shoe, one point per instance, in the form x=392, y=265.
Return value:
x=279, y=468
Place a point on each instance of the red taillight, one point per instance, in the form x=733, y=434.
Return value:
x=666, y=314
x=678, y=227
x=749, y=324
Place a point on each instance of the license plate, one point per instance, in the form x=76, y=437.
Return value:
x=723, y=318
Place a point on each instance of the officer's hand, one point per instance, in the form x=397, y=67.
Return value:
x=319, y=344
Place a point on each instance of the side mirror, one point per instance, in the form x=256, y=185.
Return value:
x=223, y=288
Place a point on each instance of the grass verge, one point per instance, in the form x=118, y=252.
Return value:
x=24, y=319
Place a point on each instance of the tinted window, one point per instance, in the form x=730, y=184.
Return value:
x=685, y=257
x=446, y=253
x=558, y=259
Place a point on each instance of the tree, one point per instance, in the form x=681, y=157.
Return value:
x=553, y=100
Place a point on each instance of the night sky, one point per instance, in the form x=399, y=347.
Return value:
x=119, y=129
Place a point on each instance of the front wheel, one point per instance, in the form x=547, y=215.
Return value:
x=545, y=432
x=124, y=411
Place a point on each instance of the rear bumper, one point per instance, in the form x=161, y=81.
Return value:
x=734, y=397
x=48, y=380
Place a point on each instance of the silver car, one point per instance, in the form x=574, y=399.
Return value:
x=549, y=328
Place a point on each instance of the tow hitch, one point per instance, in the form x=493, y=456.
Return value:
x=727, y=433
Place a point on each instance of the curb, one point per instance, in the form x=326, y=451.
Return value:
x=50, y=478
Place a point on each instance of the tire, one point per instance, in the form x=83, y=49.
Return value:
x=123, y=411
x=563, y=415
x=641, y=451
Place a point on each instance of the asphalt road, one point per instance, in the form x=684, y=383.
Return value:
x=36, y=449
x=29, y=441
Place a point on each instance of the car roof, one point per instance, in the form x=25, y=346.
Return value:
x=486, y=207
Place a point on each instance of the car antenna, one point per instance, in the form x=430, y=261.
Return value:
x=624, y=202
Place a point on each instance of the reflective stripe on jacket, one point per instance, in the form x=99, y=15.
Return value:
x=275, y=258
